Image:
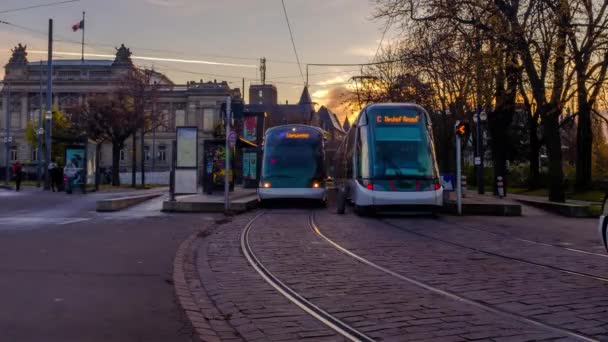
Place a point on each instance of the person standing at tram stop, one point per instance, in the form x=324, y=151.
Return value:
x=18, y=174
x=52, y=168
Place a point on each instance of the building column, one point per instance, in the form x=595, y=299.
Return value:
x=24, y=111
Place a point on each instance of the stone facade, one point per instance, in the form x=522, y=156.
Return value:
x=194, y=104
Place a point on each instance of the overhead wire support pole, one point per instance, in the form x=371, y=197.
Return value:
x=49, y=107
x=83, y=27
x=39, y=132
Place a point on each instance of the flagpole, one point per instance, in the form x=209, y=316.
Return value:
x=83, y=25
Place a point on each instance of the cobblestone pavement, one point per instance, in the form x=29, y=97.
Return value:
x=388, y=308
x=547, y=295
x=252, y=307
x=538, y=225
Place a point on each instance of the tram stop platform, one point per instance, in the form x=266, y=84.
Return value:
x=241, y=200
x=475, y=204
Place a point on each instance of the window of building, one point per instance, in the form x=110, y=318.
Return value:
x=147, y=153
x=209, y=119
x=13, y=153
x=34, y=154
x=122, y=155
x=162, y=153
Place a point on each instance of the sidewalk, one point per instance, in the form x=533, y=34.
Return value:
x=241, y=199
x=475, y=204
x=571, y=208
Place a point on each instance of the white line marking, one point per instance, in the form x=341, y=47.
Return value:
x=73, y=221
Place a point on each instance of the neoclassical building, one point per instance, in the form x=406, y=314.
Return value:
x=193, y=104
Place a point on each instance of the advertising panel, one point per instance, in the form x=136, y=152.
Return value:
x=186, y=146
x=250, y=158
x=74, y=166
x=250, y=128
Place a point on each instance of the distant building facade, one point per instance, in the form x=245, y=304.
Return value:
x=193, y=104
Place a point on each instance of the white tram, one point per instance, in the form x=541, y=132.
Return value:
x=388, y=161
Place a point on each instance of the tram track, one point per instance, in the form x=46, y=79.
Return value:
x=451, y=295
x=323, y=316
x=511, y=258
x=575, y=250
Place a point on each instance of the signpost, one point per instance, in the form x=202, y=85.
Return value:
x=232, y=139
x=227, y=174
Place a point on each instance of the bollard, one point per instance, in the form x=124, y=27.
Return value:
x=500, y=187
x=464, y=185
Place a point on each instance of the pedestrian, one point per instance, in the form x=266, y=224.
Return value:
x=52, y=169
x=18, y=174
x=59, y=178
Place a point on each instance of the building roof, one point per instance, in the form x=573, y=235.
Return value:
x=330, y=119
x=346, y=125
x=305, y=97
x=75, y=62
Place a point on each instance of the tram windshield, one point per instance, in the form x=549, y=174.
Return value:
x=402, y=146
x=293, y=159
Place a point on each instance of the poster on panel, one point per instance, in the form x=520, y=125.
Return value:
x=250, y=125
x=186, y=147
x=74, y=166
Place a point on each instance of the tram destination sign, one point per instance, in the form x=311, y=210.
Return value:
x=396, y=119
x=298, y=135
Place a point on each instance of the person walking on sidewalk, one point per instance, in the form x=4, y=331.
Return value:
x=18, y=174
x=52, y=169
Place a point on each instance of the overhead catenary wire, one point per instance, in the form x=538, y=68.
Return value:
x=293, y=43
x=386, y=27
x=37, y=6
x=69, y=41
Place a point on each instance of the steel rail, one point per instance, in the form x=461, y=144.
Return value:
x=526, y=240
x=448, y=294
x=520, y=260
x=323, y=316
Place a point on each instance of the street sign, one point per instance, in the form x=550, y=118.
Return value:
x=232, y=139
x=477, y=160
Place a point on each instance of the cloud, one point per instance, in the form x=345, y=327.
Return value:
x=340, y=99
x=362, y=51
x=165, y=3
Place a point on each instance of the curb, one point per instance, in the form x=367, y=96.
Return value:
x=240, y=205
x=192, y=297
x=119, y=203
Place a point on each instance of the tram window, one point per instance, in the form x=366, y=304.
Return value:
x=402, y=151
x=363, y=169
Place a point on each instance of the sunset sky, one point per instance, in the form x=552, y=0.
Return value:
x=229, y=31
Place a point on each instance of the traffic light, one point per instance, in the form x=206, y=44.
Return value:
x=462, y=129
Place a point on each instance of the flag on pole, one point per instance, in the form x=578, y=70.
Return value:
x=79, y=26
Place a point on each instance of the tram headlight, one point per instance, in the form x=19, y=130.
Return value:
x=315, y=185
x=267, y=184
